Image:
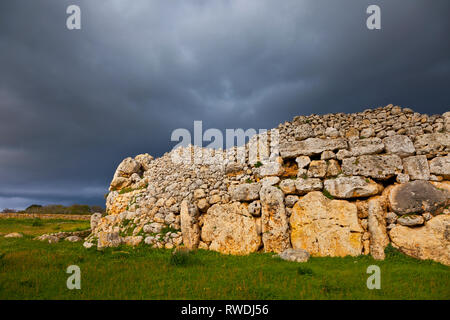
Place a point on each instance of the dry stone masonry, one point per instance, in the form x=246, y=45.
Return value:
x=320, y=185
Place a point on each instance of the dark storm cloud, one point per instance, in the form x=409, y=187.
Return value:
x=74, y=103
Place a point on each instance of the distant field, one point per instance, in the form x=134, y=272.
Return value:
x=36, y=227
x=45, y=216
x=36, y=270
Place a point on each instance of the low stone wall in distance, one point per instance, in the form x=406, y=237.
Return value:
x=44, y=216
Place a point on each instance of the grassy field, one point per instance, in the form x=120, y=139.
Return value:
x=36, y=270
x=36, y=227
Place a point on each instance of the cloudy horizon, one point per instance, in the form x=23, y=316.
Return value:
x=74, y=103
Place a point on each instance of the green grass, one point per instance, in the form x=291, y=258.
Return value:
x=126, y=190
x=129, y=189
x=181, y=257
x=327, y=194
x=36, y=227
x=37, y=270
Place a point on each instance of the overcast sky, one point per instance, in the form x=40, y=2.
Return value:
x=73, y=104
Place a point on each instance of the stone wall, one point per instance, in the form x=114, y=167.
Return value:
x=44, y=216
x=334, y=185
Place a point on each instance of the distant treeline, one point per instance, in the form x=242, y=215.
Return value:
x=59, y=209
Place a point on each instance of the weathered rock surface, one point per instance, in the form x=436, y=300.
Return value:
x=360, y=147
x=275, y=226
x=376, y=208
x=245, y=192
x=127, y=167
x=303, y=131
x=230, y=229
x=432, y=142
x=48, y=238
x=271, y=169
x=352, y=187
x=375, y=166
x=95, y=219
x=311, y=146
x=119, y=183
x=391, y=217
x=74, y=236
x=431, y=241
x=302, y=161
x=254, y=208
x=288, y=186
x=304, y=186
x=144, y=160
x=400, y=145
x=417, y=197
x=133, y=240
x=233, y=168
x=122, y=176
x=190, y=229
x=269, y=181
x=317, y=169
x=325, y=227
x=441, y=166
x=411, y=220
x=73, y=239
x=108, y=239
x=290, y=200
x=154, y=227
x=333, y=168
x=417, y=167
x=14, y=235
x=88, y=244
x=117, y=203
x=296, y=255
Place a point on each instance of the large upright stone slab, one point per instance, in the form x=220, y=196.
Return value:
x=275, y=225
x=230, y=229
x=190, y=229
x=376, y=223
x=325, y=227
x=95, y=220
